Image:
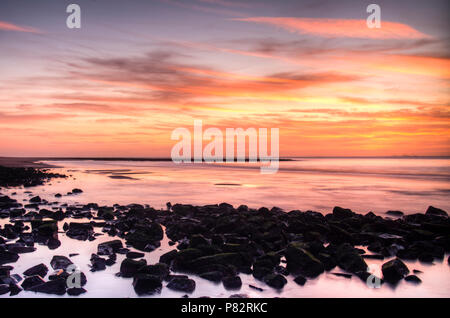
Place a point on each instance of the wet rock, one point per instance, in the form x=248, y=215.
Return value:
x=53, y=243
x=256, y=288
x=413, y=279
x=36, y=199
x=350, y=260
x=394, y=270
x=31, y=282
x=276, y=281
x=60, y=262
x=53, y=287
x=300, y=280
x=300, y=260
x=395, y=213
x=168, y=257
x=14, y=289
x=8, y=257
x=145, y=238
x=80, y=231
x=5, y=271
x=129, y=267
x=215, y=276
x=232, y=282
x=98, y=263
x=342, y=275
x=435, y=211
x=145, y=284
x=160, y=270
x=4, y=289
x=77, y=191
x=340, y=213
x=75, y=291
x=134, y=255
x=40, y=270
x=20, y=248
x=58, y=195
x=108, y=248
x=182, y=284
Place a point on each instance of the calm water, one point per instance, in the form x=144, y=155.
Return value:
x=377, y=185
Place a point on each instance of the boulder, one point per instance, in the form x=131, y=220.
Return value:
x=435, y=211
x=129, y=267
x=394, y=270
x=160, y=270
x=300, y=280
x=232, y=282
x=413, y=279
x=75, y=291
x=299, y=260
x=340, y=213
x=108, y=248
x=4, y=289
x=32, y=281
x=276, y=281
x=8, y=257
x=53, y=287
x=145, y=284
x=80, y=231
x=60, y=262
x=182, y=284
x=134, y=255
x=40, y=270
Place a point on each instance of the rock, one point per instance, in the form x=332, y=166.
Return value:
x=129, y=267
x=5, y=271
x=413, y=279
x=4, y=289
x=108, y=248
x=14, y=289
x=239, y=296
x=60, y=262
x=342, y=275
x=75, y=291
x=300, y=260
x=76, y=191
x=145, y=284
x=145, y=238
x=394, y=270
x=58, y=195
x=20, y=248
x=53, y=287
x=168, y=257
x=160, y=270
x=300, y=280
x=276, y=281
x=31, y=282
x=80, y=231
x=256, y=288
x=349, y=259
x=232, y=282
x=373, y=256
x=8, y=257
x=134, y=255
x=36, y=199
x=341, y=213
x=435, y=211
x=395, y=213
x=40, y=270
x=73, y=254
x=98, y=263
x=182, y=284
x=53, y=243
x=215, y=276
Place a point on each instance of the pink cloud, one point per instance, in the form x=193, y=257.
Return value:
x=340, y=27
x=6, y=26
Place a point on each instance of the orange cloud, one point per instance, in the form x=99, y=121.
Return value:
x=6, y=26
x=340, y=27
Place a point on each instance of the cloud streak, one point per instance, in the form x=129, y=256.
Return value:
x=347, y=28
x=6, y=26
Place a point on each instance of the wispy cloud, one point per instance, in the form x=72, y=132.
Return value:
x=6, y=26
x=340, y=27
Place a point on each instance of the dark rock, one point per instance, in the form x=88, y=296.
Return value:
x=276, y=281
x=232, y=282
x=168, y=257
x=36, y=199
x=300, y=280
x=40, y=270
x=75, y=291
x=8, y=257
x=31, y=282
x=98, y=263
x=76, y=191
x=80, y=231
x=342, y=275
x=394, y=270
x=341, y=213
x=53, y=287
x=145, y=238
x=160, y=270
x=182, y=284
x=129, y=267
x=134, y=255
x=53, y=243
x=300, y=260
x=435, y=211
x=395, y=213
x=14, y=289
x=215, y=276
x=350, y=260
x=145, y=284
x=58, y=195
x=256, y=288
x=413, y=279
x=60, y=262
x=108, y=248
x=4, y=289
x=373, y=256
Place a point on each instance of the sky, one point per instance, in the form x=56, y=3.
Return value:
x=137, y=70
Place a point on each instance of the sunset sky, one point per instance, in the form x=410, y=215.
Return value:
x=136, y=70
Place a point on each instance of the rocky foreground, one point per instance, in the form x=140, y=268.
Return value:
x=215, y=242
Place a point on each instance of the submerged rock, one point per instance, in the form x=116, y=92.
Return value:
x=182, y=284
